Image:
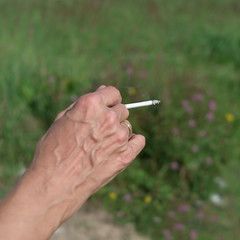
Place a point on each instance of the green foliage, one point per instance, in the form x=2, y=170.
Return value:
x=185, y=53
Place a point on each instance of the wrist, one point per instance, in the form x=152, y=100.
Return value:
x=28, y=209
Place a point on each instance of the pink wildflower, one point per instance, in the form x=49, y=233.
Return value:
x=186, y=106
x=183, y=208
x=197, y=97
x=193, y=234
x=175, y=131
x=209, y=160
x=192, y=123
x=174, y=165
x=129, y=70
x=212, y=105
x=127, y=198
x=210, y=117
x=194, y=148
x=178, y=226
x=167, y=235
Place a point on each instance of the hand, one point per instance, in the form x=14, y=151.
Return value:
x=85, y=148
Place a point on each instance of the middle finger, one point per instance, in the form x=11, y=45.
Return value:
x=121, y=111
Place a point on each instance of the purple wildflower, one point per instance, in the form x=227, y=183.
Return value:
x=127, y=198
x=178, y=226
x=192, y=123
x=197, y=97
x=167, y=235
x=194, y=148
x=212, y=105
x=193, y=234
x=175, y=131
x=129, y=70
x=209, y=160
x=174, y=165
x=186, y=106
x=210, y=117
x=183, y=208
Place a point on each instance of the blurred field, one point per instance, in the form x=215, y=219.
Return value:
x=186, y=53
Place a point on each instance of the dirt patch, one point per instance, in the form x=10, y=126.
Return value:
x=95, y=224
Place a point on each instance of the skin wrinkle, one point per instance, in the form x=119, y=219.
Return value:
x=57, y=153
x=103, y=181
x=75, y=168
x=95, y=137
x=116, y=144
x=93, y=157
x=71, y=170
x=97, y=146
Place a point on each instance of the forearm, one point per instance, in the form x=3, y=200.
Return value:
x=27, y=212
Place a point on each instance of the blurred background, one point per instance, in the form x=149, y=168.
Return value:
x=184, y=185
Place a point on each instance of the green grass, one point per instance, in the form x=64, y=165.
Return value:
x=52, y=51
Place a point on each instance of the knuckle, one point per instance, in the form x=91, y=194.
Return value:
x=122, y=136
x=111, y=118
x=89, y=100
x=116, y=91
x=127, y=112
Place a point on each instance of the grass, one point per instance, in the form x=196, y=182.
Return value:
x=53, y=51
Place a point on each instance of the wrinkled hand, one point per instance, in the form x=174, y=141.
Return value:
x=85, y=148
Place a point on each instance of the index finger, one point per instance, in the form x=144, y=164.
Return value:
x=110, y=96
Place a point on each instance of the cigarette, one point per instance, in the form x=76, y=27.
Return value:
x=142, y=104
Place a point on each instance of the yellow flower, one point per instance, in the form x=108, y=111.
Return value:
x=112, y=195
x=147, y=199
x=229, y=117
x=132, y=91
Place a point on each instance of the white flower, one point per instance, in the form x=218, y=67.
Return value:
x=216, y=199
x=220, y=182
x=156, y=219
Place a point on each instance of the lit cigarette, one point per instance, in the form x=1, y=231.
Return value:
x=142, y=104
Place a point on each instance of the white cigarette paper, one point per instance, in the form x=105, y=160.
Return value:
x=142, y=104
